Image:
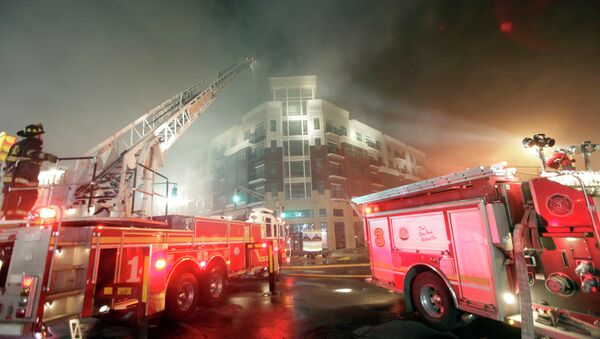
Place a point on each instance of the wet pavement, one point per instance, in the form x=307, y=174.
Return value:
x=304, y=308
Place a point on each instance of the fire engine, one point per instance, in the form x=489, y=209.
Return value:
x=481, y=243
x=95, y=244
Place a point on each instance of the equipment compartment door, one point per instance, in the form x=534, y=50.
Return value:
x=381, y=253
x=472, y=248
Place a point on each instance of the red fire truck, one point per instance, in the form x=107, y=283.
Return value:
x=480, y=243
x=57, y=267
x=95, y=244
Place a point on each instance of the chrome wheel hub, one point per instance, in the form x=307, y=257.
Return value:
x=185, y=296
x=432, y=302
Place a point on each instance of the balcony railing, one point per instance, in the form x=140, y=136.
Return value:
x=333, y=150
x=335, y=194
x=258, y=136
x=336, y=131
x=336, y=171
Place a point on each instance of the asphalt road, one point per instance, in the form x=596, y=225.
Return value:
x=304, y=308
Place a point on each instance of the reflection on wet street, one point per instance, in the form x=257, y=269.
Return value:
x=304, y=308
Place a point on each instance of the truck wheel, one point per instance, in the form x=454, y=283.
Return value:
x=214, y=283
x=182, y=296
x=433, y=301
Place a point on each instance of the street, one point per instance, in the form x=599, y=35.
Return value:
x=304, y=308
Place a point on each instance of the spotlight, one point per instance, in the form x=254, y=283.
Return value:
x=527, y=142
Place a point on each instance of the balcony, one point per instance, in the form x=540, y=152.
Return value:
x=338, y=195
x=373, y=145
x=374, y=163
x=256, y=177
x=334, y=151
x=258, y=136
x=336, y=173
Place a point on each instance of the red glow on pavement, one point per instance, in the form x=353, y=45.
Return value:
x=506, y=27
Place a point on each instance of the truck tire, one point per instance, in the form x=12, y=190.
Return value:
x=434, y=303
x=214, y=283
x=182, y=296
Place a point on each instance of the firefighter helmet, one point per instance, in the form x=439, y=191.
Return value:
x=31, y=130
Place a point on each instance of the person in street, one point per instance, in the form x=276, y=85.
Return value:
x=23, y=165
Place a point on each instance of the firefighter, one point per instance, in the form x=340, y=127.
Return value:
x=561, y=159
x=21, y=172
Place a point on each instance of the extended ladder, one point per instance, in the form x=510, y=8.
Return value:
x=498, y=172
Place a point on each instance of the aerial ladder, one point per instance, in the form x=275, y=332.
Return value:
x=108, y=173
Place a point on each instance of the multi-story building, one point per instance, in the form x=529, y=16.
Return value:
x=306, y=156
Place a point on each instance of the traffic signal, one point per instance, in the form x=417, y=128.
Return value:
x=236, y=196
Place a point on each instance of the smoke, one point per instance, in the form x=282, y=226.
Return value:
x=440, y=76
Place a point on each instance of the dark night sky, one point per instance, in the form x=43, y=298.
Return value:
x=440, y=75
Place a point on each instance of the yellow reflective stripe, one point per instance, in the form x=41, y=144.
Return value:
x=25, y=182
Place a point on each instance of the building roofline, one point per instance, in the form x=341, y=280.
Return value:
x=403, y=144
x=293, y=81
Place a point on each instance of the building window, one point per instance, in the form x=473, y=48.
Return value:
x=294, y=92
x=273, y=125
x=330, y=126
x=247, y=135
x=307, y=93
x=319, y=164
x=297, y=168
x=295, y=128
x=316, y=123
x=338, y=192
x=338, y=212
x=273, y=143
x=293, y=108
x=321, y=187
x=274, y=189
x=298, y=191
x=274, y=168
x=318, y=142
x=279, y=94
x=294, y=147
x=358, y=136
x=350, y=150
x=343, y=131
x=323, y=213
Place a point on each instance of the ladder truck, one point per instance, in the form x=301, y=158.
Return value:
x=94, y=245
x=481, y=243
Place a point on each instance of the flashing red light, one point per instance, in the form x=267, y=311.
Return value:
x=368, y=210
x=276, y=249
x=202, y=263
x=376, y=209
x=100, y=227
x=264, y=245
x=506, y=27
x=160, y=264
x=26, y=282
x=287, y=260
x=44, y=215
